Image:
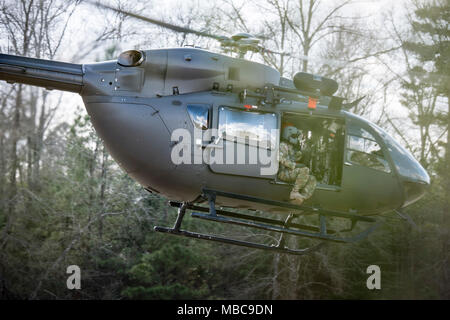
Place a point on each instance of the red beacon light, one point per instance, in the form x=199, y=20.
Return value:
x=312, y=103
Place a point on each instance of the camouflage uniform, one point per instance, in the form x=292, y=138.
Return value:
x=304, y=183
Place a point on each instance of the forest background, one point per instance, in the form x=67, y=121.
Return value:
x=64, y=201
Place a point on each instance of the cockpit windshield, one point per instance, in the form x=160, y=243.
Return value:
x=407, y=166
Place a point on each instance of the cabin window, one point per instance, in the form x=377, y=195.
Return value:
x=362, y=149
x=199, y=114
x=248, y=127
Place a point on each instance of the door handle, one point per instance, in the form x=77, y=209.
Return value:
x=212, y=146
x=209, y=144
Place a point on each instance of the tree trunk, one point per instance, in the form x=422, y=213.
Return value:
x=2, y=174
x=445, y=281
x=102, y=191
x=275, y=278
x=11, y=200
x=39, y=142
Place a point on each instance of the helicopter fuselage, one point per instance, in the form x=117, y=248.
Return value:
x=141, y=112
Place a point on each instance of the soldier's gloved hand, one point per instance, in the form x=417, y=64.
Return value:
x=300, y=165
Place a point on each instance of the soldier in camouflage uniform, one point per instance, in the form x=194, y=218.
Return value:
x=290, y=170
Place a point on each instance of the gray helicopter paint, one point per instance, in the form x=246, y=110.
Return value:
x=186, y=69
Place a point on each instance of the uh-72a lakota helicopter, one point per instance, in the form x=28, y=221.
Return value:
x=139, y=101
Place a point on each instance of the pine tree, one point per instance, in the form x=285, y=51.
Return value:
x=430, y=23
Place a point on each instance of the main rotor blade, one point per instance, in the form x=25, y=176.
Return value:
x=158, y=22
x=265, y=50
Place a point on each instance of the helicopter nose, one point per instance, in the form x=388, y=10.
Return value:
x=414, y=190
x=414, y=178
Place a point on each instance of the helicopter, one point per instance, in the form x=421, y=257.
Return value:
x=195, y=126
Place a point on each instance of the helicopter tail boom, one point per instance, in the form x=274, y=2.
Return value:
x=43, y=73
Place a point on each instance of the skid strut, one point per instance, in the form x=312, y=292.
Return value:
x=320, y=232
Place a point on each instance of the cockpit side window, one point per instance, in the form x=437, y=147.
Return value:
x=362, y=149
x=252, y=127
x=199, y=114
x=405, y=163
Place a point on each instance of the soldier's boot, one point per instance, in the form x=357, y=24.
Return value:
x=296, y=198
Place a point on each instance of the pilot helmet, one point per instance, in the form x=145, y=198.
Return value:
x=291, y=133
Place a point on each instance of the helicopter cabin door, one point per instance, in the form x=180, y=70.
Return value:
x=367, y=170
x=322, y=147
x=245, y=143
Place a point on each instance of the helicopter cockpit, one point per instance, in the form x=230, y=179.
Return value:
x=390, y=157
x=364, y=150
x=412, y=175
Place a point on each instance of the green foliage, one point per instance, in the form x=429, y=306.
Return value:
x=172, y=272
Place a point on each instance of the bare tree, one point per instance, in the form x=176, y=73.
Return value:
x=29, y=28
x=311, y=26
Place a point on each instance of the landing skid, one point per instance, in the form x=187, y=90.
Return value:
x=319, y=232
